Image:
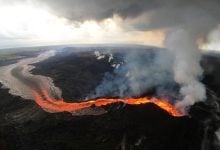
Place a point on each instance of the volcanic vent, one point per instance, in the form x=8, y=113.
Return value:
x=45, y=101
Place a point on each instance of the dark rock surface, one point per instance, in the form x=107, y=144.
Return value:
x=211, y=65
x=78, y=72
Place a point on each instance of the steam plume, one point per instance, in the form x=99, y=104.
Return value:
x=186, y=21
x=186, y=66
x=139, y=72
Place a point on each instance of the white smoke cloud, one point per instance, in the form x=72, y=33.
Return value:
x=213, y=42
x=99, y=55
x=186, y=22
x=186, y=66
x=139, y=71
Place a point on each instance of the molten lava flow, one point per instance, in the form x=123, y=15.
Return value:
x=46, y=102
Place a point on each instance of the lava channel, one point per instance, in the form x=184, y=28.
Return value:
x=45, y=101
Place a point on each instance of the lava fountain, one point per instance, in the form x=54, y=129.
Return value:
x=44, y=100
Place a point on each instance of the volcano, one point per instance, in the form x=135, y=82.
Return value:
x=96, y=69
x=73, y=121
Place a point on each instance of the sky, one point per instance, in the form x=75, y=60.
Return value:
x=53, y=22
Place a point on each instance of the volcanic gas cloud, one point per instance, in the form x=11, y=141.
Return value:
x=44, y=100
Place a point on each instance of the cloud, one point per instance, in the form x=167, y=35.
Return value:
x=161, y=13
x=97, y=9
x=136, y=16
x=142, y=14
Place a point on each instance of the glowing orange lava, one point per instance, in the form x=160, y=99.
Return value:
x=50, y=104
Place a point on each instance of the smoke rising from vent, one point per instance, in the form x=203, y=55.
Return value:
x=186, y=66
x=185, y=22
x=139, y=71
